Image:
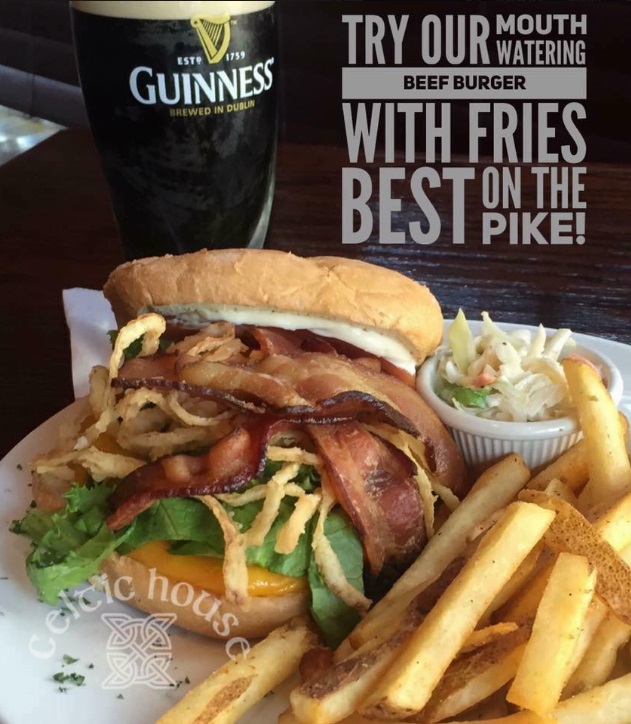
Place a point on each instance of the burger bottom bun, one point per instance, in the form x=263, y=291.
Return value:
x=198, y=610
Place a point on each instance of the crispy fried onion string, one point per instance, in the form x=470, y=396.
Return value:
x=327, y=561
x=99, y=464
x=143, y=421
x=293, y=455
x=235, y=569
x=449, y=498
x=192, y=419
x=268, y=513
x=289, y=535
x=149, y=327
x=236, y=543
x=207, y=339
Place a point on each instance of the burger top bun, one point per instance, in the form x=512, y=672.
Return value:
x=333, y=288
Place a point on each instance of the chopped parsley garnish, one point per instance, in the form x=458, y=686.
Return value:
x=69, y=659
x=62, y=678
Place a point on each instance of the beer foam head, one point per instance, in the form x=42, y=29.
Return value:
x=167, y=9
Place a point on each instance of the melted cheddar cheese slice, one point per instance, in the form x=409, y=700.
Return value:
x=205, y=572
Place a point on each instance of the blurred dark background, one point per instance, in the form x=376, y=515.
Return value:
x=38, y=74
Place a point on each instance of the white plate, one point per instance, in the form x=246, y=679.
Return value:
x=28, y=690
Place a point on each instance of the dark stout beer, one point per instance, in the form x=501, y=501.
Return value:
x=181, y=98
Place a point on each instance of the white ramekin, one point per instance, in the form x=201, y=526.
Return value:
x=485, y=441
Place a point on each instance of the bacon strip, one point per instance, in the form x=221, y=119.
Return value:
x=253, y=391
x=280, y=341
x=276, y=341
x=374, y=483
x=320, y=377
x=371, y=479
x=313, y=387
x=229, y=465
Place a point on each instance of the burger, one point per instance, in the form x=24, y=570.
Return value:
x=256, y=447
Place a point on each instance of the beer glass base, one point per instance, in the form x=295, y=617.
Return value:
x=257, y=240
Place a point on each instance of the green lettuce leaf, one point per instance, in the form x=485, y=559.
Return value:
x=334, y=618
x=175, y=520
x=294, y=564
x=466, y=396
x=51, y=578
x=69, y=545
x=135, y=348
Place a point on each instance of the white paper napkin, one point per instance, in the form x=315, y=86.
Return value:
x=89, y=317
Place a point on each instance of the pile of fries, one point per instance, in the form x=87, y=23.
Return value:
x=518, y=610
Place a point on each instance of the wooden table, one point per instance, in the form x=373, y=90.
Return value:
x=57, y=231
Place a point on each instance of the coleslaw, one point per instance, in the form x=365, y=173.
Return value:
x=510, y=376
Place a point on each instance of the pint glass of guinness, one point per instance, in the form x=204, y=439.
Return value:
x=181, y=98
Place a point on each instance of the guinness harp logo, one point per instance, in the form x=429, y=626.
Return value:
x=214, y=34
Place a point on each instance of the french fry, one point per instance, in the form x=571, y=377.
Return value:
x=600, y=659
x=486, y=524
x=543, y=670
x=288, y=717
x=344, y=650
x=606, y=704
x=607, y=458
x=338, y=693
x=558, y=489
x=495, y=488
x=418, y=654
x=492, y=708
x=522, y=717
x=518, y=581
x=484, y=636
x=523, y=605
x=408, y=684
x=474, y=677
x=614, y=525
x=571, y=532
x=596, y=617
x=570, y=468
x=315, y=662
x=418, y=607
x=238, y=685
